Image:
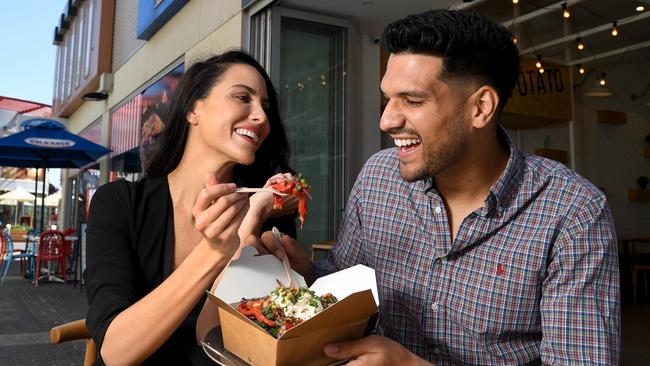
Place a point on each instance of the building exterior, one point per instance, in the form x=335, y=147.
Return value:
x=123, y=57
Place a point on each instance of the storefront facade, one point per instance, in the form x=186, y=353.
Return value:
x=324, y=58
x=310, y=57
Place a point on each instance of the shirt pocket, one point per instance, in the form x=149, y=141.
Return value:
x=495, y=297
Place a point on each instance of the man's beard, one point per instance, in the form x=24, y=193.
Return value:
x=441, y=157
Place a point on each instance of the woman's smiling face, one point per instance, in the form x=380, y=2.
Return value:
x=231, y=121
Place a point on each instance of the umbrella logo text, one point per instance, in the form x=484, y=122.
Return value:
x=51, y=143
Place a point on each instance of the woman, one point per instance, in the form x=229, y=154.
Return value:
x=156, y=245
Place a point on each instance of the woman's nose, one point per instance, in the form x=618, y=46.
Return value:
x=258, y=115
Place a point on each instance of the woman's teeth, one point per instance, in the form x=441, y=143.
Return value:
x=245, y=132
x=407, y=142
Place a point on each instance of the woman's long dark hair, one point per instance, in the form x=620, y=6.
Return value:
x=197, y=82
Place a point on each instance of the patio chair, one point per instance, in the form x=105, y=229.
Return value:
x=72, y=331
x=9, y=254
x=51, y=245
x=322, y=247
x=68, y=243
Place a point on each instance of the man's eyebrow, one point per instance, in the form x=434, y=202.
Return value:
x=413, y=93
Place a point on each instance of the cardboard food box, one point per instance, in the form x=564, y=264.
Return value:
x=253, y=276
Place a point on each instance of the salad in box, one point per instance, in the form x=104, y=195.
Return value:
x=264, y=324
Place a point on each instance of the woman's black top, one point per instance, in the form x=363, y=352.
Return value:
x=130, y=240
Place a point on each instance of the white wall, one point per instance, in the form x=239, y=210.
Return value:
x=610, y=156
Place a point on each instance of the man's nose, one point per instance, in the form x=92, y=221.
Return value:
x=391, y=118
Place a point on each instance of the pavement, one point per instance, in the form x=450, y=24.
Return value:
x=27, y=314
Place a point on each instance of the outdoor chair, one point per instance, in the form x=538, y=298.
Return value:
x=73, y=331
x=68, y=243
x=51, y=248
x=9, y=254
x=322, y=247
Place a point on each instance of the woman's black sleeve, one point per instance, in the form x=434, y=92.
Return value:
x=111, y=269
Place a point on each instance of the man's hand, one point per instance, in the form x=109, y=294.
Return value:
x=373, y=350
x=285, y=247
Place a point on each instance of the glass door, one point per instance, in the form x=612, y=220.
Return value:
x=313, y=90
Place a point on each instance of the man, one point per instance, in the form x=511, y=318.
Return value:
x=483, y=255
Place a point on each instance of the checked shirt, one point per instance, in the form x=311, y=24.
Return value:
x=532, y=276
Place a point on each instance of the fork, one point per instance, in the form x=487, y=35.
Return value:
x=293, y=283
x=253, y=190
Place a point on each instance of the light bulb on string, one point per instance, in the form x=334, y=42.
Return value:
x=581, y=46
x=515, y=2
x=565, y=11
x=602, y=80
x=581, y=69
x=614, y=29
x=514, y=38
x=640, y=8
x=541, y=70
x=538, y=64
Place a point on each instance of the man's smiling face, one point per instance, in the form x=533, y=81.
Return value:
x=423, y=116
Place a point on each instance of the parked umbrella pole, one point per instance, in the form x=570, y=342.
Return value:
x=43, y=197
x=35, y=200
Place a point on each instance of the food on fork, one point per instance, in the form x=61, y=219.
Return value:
x=284, y=308
x=298, y=187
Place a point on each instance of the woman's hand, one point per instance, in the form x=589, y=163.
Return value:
x=263, y=201
x=218, y=214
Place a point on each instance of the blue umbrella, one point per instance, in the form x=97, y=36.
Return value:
x=44, y=143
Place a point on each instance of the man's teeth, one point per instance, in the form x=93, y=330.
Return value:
x=245, y=132
x=407, y=142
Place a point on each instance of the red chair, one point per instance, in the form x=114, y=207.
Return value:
x=51, y=248
x=68, y=243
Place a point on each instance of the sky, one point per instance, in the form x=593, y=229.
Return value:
x=27, y=55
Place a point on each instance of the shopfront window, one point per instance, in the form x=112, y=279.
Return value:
x=136, y=126
x=82, y=183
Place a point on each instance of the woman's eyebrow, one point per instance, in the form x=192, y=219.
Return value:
x=252, y=91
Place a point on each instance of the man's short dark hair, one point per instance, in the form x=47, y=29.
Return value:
x=470, y=45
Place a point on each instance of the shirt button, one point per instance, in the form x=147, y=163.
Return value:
x=438, y=210
x=434, y=306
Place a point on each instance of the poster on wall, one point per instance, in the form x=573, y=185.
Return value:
x=156, y=100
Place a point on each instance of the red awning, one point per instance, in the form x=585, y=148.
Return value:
x=25, y=107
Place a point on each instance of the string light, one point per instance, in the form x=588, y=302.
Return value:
x=581, y=46
x=640, y=8
x=541, y=70
x=581, y=69
x=515, y=2
x=602, y=81
x=614, y=29
x=514, y=38
x=538, y=64
x=565, y=11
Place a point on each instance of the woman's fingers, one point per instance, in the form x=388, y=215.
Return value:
x=210, y=195
x=222, y=221
x=278, y=178
x=222, y=210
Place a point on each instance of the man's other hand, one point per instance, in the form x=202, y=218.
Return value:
x=373, y=351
